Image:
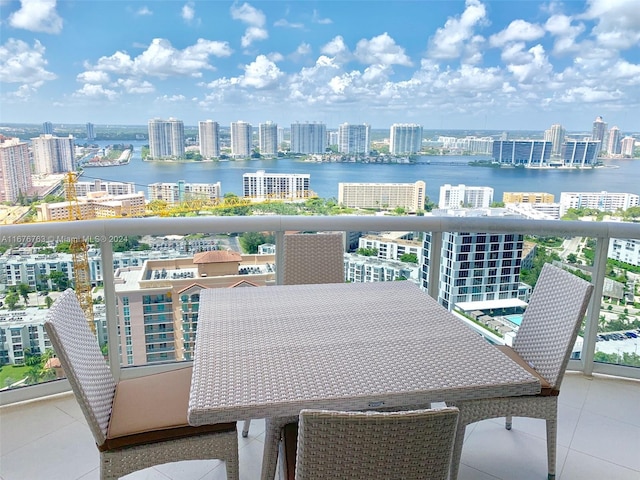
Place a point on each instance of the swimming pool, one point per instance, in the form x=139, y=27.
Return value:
x=517, y=319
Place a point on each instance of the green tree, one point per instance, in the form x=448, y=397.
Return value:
x=572, y=258
x=428, y=204
x=367, y=252
x=11, y=300
x=59, y=279
x=48, y=301
x=409, y=258
x=23, y=290
x=251, y=240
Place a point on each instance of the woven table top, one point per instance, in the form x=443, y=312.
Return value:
x=272, y=351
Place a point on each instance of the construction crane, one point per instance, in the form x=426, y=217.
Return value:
x=78, y=250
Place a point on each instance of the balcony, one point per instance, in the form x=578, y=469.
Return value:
x=598, y=423
x=598, y=436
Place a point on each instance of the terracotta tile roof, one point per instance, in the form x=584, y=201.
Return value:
x=217, y=256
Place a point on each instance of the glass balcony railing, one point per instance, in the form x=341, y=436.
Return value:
x=146, y=306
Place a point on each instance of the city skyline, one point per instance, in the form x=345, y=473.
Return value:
x=474, y=64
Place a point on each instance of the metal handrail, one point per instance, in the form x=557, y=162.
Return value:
x=106, y=231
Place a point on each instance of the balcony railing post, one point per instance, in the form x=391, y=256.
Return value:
x=593, y=313
x=111, y=309
x=435, y=253
x=279, y=255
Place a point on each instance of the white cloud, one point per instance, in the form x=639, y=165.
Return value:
x=144, y=11
x=318, y=19
x=134, y=86
x=37, y=16
x=560, y=27
x=93, y=76
x=161, y=59
x=283, y=22
x=381, y=50
x=618, y=22
x=188, y=12
x=275, y=56
x=590, y=95
x=449, y=41
x=97, y=92
x=261, y=74
x=517, y=31
x=535, y=69
x=303, y=49
x=171, y=98
x=20, y=63
x=254, y=18
x=253, y=34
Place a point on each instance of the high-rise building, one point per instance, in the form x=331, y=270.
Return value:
x=599, y=131
x=91, y=134
x=308, y=138
x=613, y=144
x=627, y=145
x=15, y=171
x=529, y=153
x=410, y=196
x=209, y=135
x=354, y=139
x=405, y=138
x=281, y=136
x=53, y=154
x=555, y=135
x=465, y=196
x=166, y=138
x=577, y=153
x=477, y=267
x=268, y=138
x=47, y=128
x=183, y=191
x=111, y=188
x=261, y=186
x=604, y=201
x=241, y=133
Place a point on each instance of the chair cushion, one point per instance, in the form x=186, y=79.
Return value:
x=545, y=387
x=153, y=409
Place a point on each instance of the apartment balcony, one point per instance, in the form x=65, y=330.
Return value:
x=598, y=437
x=43, y=433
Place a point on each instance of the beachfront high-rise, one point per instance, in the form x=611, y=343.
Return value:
x=599, y=131
x=209, y=135
x=15, y=171
x=577, y=153
x=477, y=267
x=261, y=186
x=268, y=138
x=613, y=144
x=53, y=154
x=388, y=196
x=91, y=134
x=530, y=153
x=47, y=128
x=308, y=137
x=354, y=139
x=627, y=145
x=555, y=135
x=405, y=138
x=464, y=196
x=241, y=134
x=166, y=138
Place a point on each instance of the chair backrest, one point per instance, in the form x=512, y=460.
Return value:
x=363, y=445
x=313, y=258
x=82, y=361
x=551, y=322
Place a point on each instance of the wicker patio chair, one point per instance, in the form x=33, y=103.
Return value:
x=310, y=259
x=542, y=346
x=415, y=444
x=137, y=423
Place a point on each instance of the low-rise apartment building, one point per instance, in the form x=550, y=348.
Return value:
x=387, y=196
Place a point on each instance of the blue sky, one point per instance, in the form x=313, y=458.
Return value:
x=474, y=64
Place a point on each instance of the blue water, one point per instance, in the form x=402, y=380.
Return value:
x=517, y=319
x=619, y=176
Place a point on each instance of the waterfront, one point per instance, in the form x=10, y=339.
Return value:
x=616, y=176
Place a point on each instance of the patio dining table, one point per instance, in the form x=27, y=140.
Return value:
x=270, y=352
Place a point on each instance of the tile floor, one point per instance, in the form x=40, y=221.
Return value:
x=599, y=437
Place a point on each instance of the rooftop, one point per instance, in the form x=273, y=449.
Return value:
x=598, y=425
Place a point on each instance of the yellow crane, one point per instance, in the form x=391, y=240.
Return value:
x=78, y=250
